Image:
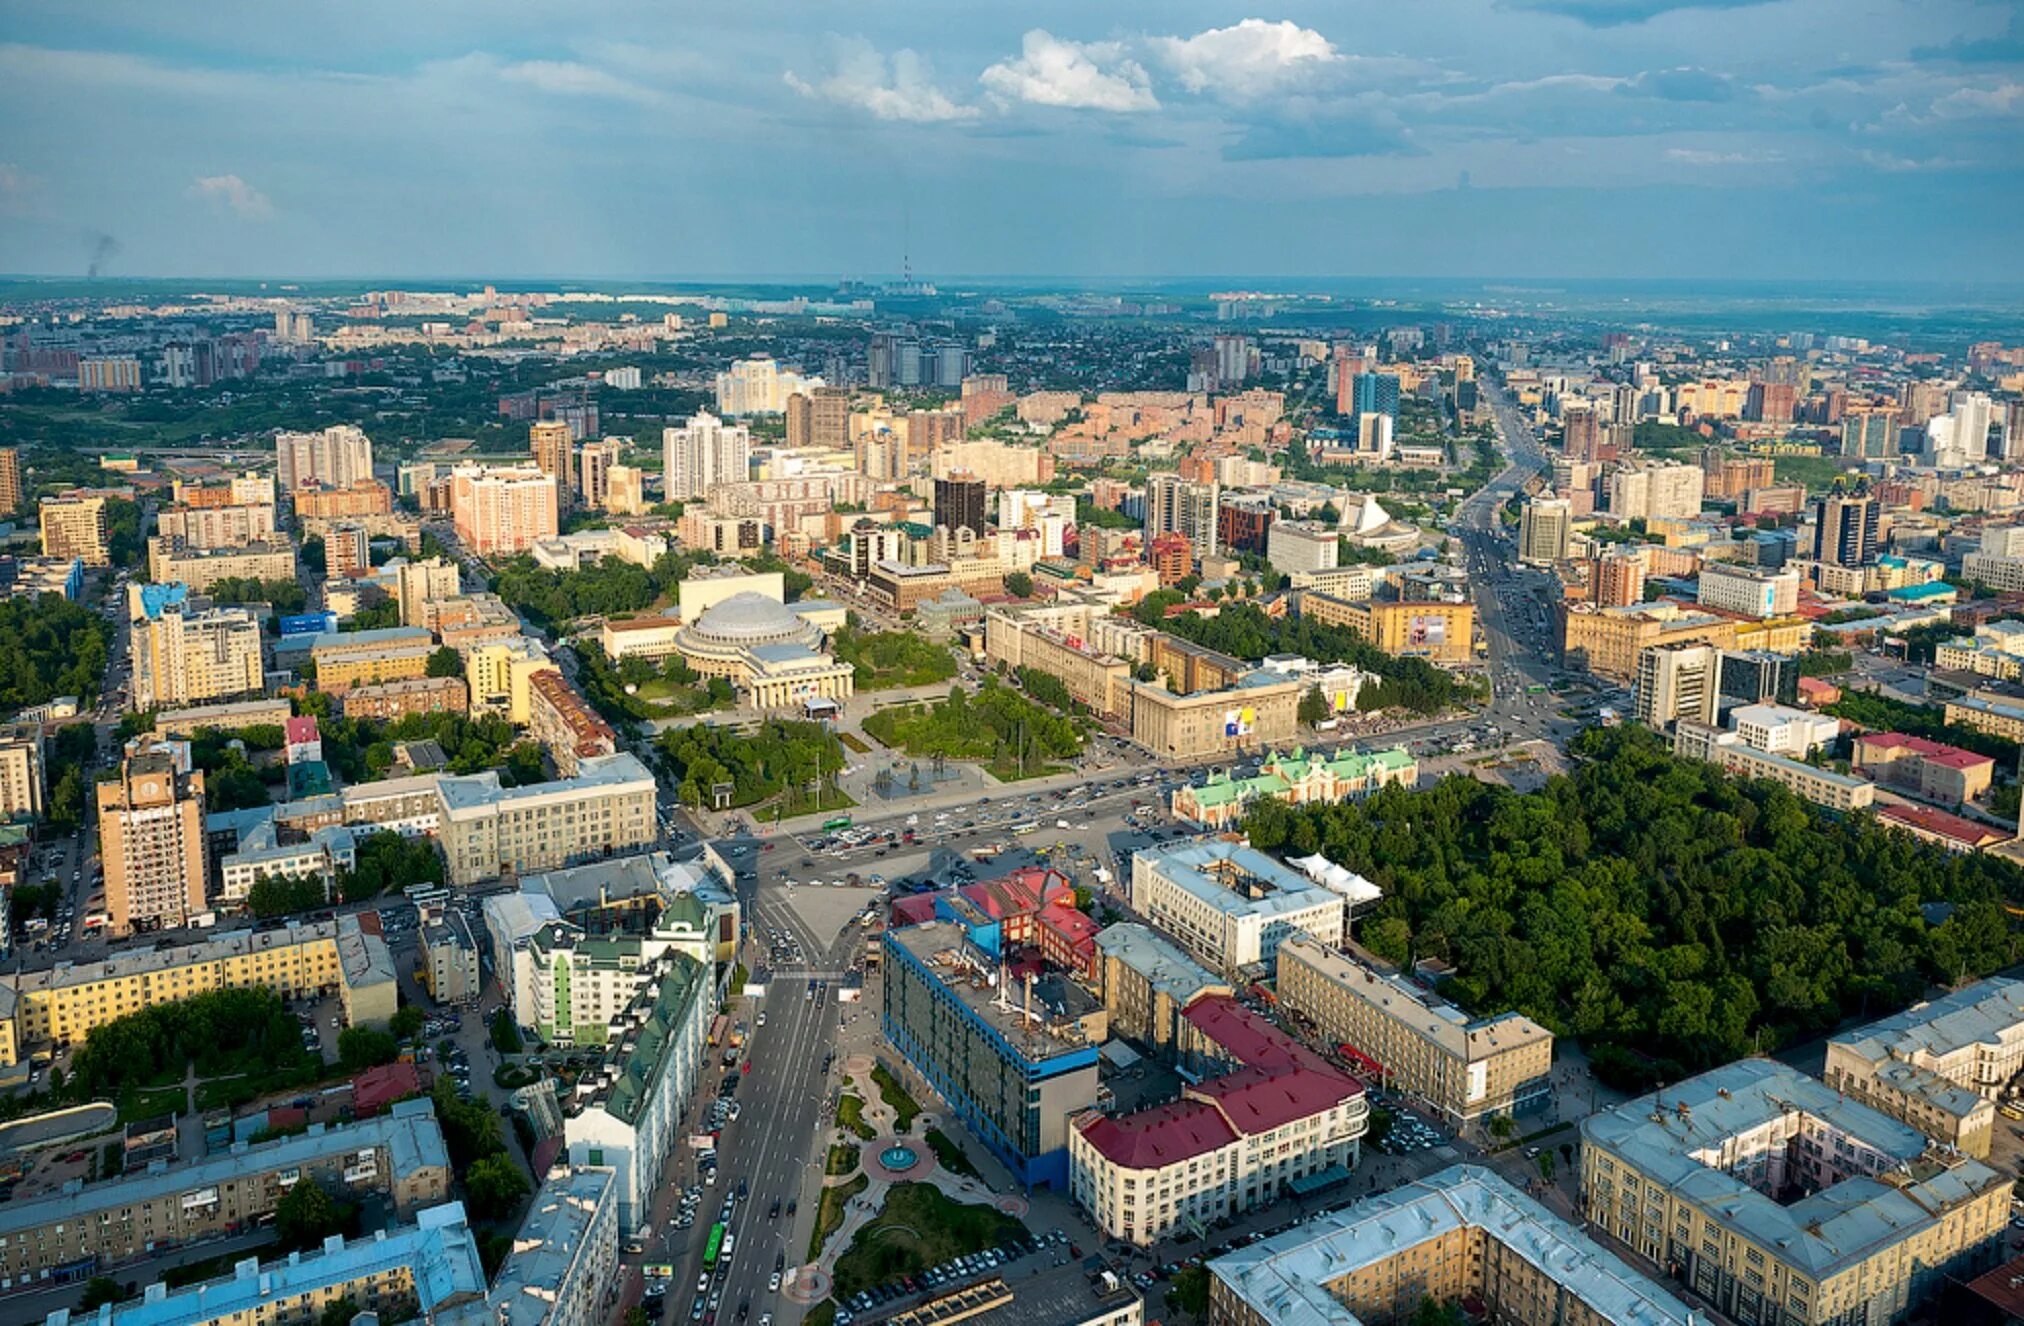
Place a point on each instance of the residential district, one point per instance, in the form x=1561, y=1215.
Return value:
x=869, y=805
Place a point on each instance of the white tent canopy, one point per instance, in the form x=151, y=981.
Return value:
x=1353, y=887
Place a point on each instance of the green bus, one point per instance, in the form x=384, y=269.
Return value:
x=840, y=822
x=715, y=1247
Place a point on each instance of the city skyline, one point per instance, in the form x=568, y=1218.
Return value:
x=1574, y=138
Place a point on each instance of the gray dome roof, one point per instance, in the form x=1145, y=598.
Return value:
x=748, y=616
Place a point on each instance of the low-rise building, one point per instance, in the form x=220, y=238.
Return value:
x=1463, y=1234
x=1823, y=787
x=255, y=845
x=1436, y=630
x=1952, y=832
x=1607, y=641
x=1232, y=1143
x=431, y=1266
x=1929, y=770
x=232, y=717
x=171, y=563
x=565, y=724
x=1991, y=716
x=1940, y=1065
x=400, y=1154
x=450, y=967
x=488, y=829
x=1229, y=904
x=627, y=1113
x=1298, y=779
x=1775, y=1197
x=392, y=701
x=1731, y=587
x=363, y=658
x=1259, y=715
x=1782, y=729
x=1405, y=1037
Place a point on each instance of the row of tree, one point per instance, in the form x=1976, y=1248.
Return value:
x=777, y=755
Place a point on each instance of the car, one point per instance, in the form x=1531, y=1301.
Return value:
x=703, y=1283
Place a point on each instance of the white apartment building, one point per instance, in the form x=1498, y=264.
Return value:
x=336, y=457
x=1302, y=545
x=1782, y=730
x=1746, y=589
x=488, y=830
x=703, y=454
x=1230, y=905
x=760, y=386
x=24, y=776
x=1657, y=492
x=1677, y=682
x=217, y=526
x=502, y=509
x=630, y=1117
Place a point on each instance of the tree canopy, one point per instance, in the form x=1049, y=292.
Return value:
x=759, y=764
x=1670, y=915
x=49, y=646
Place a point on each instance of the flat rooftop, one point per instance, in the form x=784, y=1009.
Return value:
x=551, y=1241
x=977, y=982
x=1214, y=872
x=1985, y=1013
x=1286, y=1278
x=478, y=792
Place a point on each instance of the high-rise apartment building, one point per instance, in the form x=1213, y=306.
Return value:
x=1619, y=580
x=703, y=454
x=1377, y=393
x=185, y=656
x=759, y=386
x=594, y=464
x=1845, y=526
x=502, y=510
x=819, y=417
x=1232, y=358
x=347, y=552
x=1176, y=506
x=10, y=480
x=420, y=583
x=151, y=834
x=1678, y=681
x=335, y=457
x=1544, y=528
x=113, y=373
x=75, y=527
x=1869, y=433
x=625, y=491
x=1770, y=402
x=549, y=442
x=1657, y=492
x=23, y=775
x=959, y=503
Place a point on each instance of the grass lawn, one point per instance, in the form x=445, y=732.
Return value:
x=850, y=1114
x=842, y=1160
x=829, y=1215
x=895, y=1095
x=950, y=1155
x=798, y=801
x=1815, y=472
x=822, y=1314
x=918, y=1228
x=147, y=1102
x=1008, y=771
x=851, y=742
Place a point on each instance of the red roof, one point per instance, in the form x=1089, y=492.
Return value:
x=1933, y=752
x=1160, y=1136
x=1257, y=1100
x=1076, y=927
x=914, y=909
x=1248, y=1038
x=300, y=730
x=1965, y=831
x=376, y=1088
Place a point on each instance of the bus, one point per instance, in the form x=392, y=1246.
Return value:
x=715, y=1247
x=1026, y=826
x=840, y=822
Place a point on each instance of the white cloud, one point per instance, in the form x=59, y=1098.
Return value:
x=1701, y=156
x=1967, y=102
x=230, y=192
x=568, y=78
x=1076, y=75
x=902, y=88
x=1248, y=60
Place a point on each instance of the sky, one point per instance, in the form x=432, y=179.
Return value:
x=1795, y=139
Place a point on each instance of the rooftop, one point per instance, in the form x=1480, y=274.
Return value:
x=551, y=1243
x=482, y=792
x=218, y=946
x=1286, y=1278
x=1236, y=878
x=629, y=1075
x=976, y=982
x=1890, y=1186
x=1156, y=959
x=408, y=1133
x=439, y=1251
x=1933, y=752
x=1924, y=819
x=1985, y=1013
x=1419, y=1011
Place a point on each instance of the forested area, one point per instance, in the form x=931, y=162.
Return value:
x=50, y=646
x=1671, y=916
x=780, y=754
x=1014, y=735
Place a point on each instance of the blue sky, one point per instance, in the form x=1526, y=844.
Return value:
x=1810, y=139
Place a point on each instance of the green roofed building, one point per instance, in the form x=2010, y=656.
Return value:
x=1298, y=779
